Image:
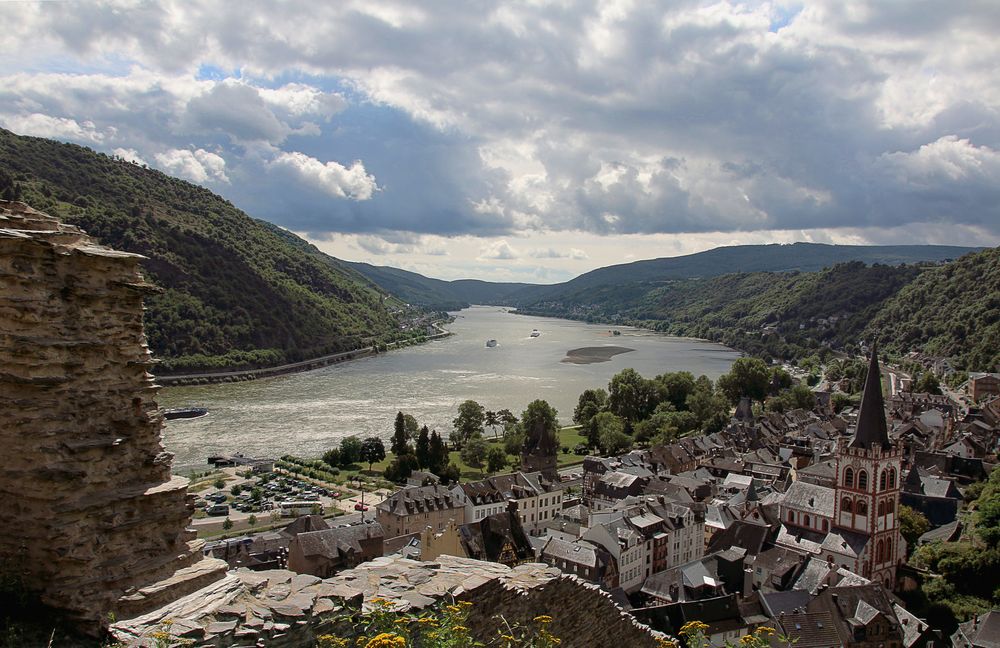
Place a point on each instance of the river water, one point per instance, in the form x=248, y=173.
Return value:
x=307, y=413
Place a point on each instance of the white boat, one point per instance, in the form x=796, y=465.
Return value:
x=535, y=333
x=491, y=343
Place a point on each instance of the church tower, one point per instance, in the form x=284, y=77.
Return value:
x=869, y=474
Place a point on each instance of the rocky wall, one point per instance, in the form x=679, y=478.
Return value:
x=89, y=511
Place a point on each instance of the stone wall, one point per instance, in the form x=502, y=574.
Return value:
x=90, y=513
x=280, y=609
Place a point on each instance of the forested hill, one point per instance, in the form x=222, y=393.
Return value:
x=949, y=311
x=437, y=294
x=238, y=292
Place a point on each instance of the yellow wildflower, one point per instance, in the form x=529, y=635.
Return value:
x=386, y=640
x=543, y=619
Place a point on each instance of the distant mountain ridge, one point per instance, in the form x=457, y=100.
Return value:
x=804, y=257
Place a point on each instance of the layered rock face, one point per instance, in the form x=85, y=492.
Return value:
x=89, y=512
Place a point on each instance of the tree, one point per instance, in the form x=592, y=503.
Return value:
x=450, y=474
x=747, y=377
x=236, y=489
x=496, y=459
x=400, y=444
x=227, y=524
x=609, y=430
x=506, y=417
x=590, y=403
x=492, y=420
x=474, y=452
x=401, y=468
x=438, y=454
x=252, y=520
x=423, y=451
x=469, y=421
x=988, y=510
x=629, y=396
x=674, y=387
x=912, y=525
x=332, y=457
x=540, y=417
x=411, y=426
x=928, y=383
x=513, y=440
x=219, y=483
x=372, y=451
x=350, y=450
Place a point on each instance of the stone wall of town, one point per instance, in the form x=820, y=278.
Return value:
x=93, y=521
x=281, y=609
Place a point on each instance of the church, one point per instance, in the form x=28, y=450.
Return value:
x=856, y=524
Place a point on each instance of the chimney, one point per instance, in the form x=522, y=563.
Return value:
x=747, y=581
x=512, y=506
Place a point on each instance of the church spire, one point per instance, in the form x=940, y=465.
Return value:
x=871, y=428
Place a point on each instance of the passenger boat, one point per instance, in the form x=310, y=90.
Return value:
x=535, y=333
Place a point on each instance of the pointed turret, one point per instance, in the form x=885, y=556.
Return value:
x=871, y=429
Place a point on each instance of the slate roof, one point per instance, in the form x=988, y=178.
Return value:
x=485, y=540
x=983, y=632
x=579, y=552
x=811, y=498
x=810, y=629
x=871, y=429
x=420, y=499
x=339, y=541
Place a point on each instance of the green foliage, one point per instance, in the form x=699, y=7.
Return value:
x=747, y=377
x=438, y=454
x=927, y=383
x=496, y=459
x=912, y=525
x=400, y=438
x=540, y=420
x=630, y=396
x=609, y=430
x=474, y=452
x=400, y=468
x=469, y=422
x=951, y=311
x=988, y=510
x=423, y=449
x=591, y=402
x=350, y=450
x=237, y=292
x=372, y=451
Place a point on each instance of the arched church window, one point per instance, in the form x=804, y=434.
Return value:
x=890, y=506
x=847, y=504
x=849, y=477
x=888, y=549
x=883, y=480
x=881, y=508
x=861, y=507
x=892, y=478
x=826, y=526
x=879, y=552
x=863, y=480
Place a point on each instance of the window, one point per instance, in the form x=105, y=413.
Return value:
x=892, y=478
x=890, y=506
x=883, y=480
x=826, y=526
x=806, y=521
x=791, y=517
x=847, y=504
x=861, y=507
x=888, y=549
x=849, y=477
x=879, y=552
x=881, y=508
x=862, y=480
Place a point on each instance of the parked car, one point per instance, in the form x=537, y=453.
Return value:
x=218, y=509
x=360, y=507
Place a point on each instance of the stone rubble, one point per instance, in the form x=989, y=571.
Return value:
x=282, y=609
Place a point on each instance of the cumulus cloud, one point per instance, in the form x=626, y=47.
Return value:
x=552, y=253
x=198, y=165
x=329, y=177
x=129, y=155
x=500, y=250
x=610, y=118
x=63, y=128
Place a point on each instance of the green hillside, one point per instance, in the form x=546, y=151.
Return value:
x=949, y=311
x=437, y=294
x=237, y=292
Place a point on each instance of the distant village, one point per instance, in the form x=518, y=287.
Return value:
x=788, y=520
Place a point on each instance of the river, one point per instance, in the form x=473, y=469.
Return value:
x=307, y=413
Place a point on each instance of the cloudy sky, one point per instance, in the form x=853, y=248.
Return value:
x=536, y=140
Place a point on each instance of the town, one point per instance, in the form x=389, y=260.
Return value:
x=802, y=520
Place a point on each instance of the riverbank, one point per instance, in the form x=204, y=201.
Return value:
x=294, y=367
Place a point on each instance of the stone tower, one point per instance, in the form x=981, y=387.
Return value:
x=869, y=470
x=92, y=518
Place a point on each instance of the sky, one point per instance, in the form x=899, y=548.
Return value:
x=536, y=140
